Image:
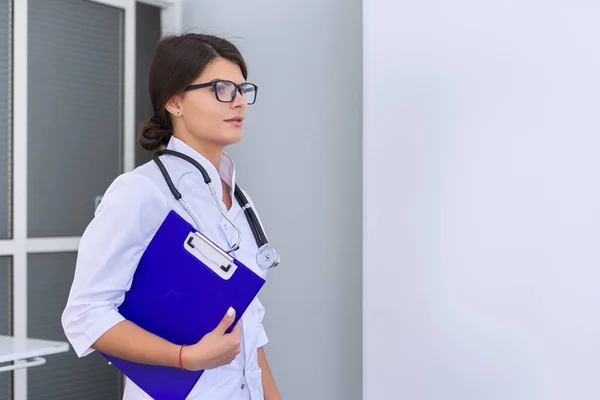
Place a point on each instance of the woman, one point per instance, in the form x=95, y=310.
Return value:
x=199, y=93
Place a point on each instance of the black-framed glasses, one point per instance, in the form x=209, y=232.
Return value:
x=226, y=91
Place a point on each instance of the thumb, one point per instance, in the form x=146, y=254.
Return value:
x=226, y=321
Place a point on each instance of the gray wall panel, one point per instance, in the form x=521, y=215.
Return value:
x=5, y=318
x=65, y=376
x=5, y=120
x=75, y=111
x=148, y=31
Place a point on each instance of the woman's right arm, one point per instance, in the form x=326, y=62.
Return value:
x=130, y=342
x=130, y=212
x=128, y=216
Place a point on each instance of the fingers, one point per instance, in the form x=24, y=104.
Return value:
x=236, y=338
x=237, y=330
x=226, y=321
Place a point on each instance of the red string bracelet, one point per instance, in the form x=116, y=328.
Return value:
x=180, y=362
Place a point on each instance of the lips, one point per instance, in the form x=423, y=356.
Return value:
x=235, y=121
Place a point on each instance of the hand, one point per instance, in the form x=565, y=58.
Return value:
x=216, y=348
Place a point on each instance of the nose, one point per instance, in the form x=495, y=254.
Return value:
x=239, y=100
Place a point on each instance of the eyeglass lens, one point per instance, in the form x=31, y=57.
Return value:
x=226, y=91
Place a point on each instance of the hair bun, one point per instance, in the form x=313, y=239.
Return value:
x=154, y=135
x=155, y=120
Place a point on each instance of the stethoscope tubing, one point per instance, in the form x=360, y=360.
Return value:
x=267, y=257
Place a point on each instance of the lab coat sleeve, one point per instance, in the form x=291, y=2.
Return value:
x=129, y=214
x=262, y=339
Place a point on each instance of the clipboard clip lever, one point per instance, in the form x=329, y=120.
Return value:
x=210, y=255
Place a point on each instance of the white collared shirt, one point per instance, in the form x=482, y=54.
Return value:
x=127, y=218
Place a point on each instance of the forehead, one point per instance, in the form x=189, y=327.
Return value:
x=221, y=68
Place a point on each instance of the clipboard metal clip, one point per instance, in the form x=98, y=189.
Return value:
x=210, y=255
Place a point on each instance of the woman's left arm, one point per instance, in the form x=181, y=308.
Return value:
x=269, y=387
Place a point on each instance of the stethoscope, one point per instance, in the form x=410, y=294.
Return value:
x=266, y=257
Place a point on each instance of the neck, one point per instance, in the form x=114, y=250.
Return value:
x=207, y=150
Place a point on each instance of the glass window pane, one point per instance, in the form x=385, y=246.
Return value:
x=5, y=318
x=5, y=120
x=147, y=35
x=65, y=376
x=75, y=114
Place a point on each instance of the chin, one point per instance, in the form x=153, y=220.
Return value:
x=230, y=138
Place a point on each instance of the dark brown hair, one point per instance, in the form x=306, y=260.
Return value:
x=178, y=60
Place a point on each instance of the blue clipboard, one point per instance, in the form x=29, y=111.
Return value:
x=182, y=288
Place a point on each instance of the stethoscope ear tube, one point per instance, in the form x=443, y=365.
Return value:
x=257, y=231
x=165, y=174
x=266, y=257
x=187, y=158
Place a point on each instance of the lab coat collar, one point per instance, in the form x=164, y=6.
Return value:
x=226, y=167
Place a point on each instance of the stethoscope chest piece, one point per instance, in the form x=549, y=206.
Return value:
x=267, y=257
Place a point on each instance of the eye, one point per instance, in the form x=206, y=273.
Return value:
x=220, y=88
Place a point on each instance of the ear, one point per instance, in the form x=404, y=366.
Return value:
x=173, y=106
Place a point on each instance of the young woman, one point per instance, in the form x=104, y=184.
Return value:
x=200, y=94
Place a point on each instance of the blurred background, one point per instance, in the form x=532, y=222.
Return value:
x=428, y=172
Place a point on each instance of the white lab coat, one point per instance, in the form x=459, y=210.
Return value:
x=129, y=214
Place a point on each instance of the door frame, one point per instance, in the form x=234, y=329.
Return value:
x=20, y=245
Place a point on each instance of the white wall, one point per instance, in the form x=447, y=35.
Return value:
x=482, y=202
x=300, y=160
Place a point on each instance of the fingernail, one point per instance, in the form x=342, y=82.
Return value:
x=230, y=312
